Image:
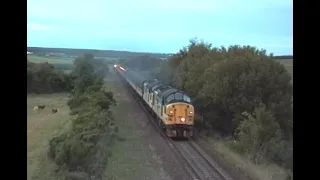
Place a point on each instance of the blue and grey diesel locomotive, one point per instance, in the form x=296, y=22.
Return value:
x=172, y=107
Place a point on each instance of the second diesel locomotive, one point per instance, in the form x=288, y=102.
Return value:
x=172, y=107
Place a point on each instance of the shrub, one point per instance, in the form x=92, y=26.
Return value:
x=82, y=151
x=44, y=78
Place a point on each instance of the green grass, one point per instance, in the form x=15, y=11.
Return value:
x=58, y=63
x=131, y=158
x=42, y=59
x=41, y=125
x=243, y=164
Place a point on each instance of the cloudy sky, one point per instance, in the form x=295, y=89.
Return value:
x=160, y=25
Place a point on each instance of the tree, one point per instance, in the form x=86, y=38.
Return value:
x=257, y=131
x=225, y=82
x=44, y=78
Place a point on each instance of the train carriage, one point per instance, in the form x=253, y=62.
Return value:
x=136, y=81
x=149, y=94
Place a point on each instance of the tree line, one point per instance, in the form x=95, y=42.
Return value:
x=81, y=149
x=45, y=78
x=239, y=92
x=96, y=53
x=283, y=57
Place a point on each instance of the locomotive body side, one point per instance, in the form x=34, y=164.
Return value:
x=135, y=81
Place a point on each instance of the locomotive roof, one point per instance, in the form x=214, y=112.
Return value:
x=152, y=83
x=156, y=86
x=163, y=90
x=168, y=91
x=161, y=87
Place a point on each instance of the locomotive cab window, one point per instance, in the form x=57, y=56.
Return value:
x=186, y=98
x=170, y=98
x=178, y=96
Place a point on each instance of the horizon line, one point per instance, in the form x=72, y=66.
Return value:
x=131, y=51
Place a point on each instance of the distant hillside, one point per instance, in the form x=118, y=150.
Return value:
x=110, y=53
x=96, y=53
x=283, y=57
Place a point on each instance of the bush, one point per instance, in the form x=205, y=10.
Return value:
x=82, y=151
x=44, y=78
x=257, y=131
x=260, y=135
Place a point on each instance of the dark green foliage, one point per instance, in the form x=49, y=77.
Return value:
x=163, y=72
x=224, y=83
x=239, y=85
x=45, y=78
x=82, y=150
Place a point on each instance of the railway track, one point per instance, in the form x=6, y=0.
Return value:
x=202, y=164
x=195, y=161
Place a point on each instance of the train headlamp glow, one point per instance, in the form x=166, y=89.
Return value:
x=190, y=112
x=183, y=119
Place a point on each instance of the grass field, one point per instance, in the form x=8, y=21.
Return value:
x=41, y=125
x=42, y=59
x=288, y=64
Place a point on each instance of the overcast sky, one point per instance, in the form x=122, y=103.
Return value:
x=160, y=25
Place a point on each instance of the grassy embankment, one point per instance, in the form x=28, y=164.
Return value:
x=133, y=158
x=41, y=126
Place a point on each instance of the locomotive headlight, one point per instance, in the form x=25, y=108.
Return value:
x=183, y=119
x=190, y=112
